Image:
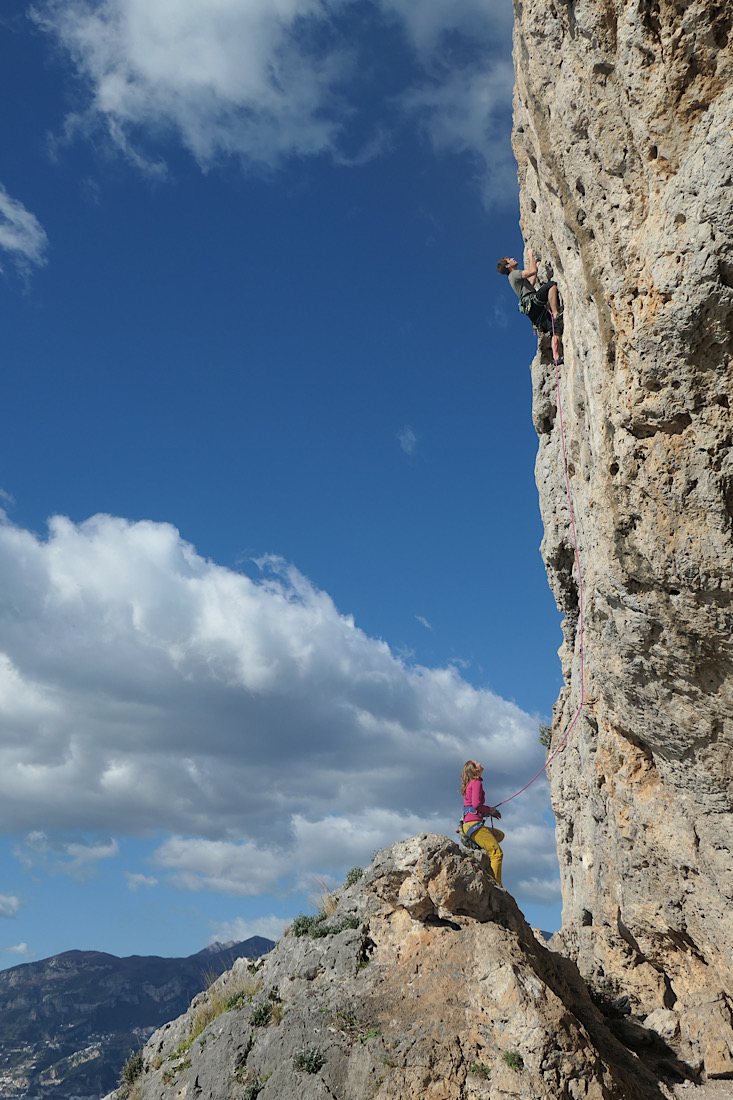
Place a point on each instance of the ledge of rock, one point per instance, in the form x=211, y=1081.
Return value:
x=440, y=992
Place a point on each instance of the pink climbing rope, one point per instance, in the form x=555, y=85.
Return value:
x=575, y=717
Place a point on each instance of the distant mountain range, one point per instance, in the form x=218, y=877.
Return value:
x=68, y=1023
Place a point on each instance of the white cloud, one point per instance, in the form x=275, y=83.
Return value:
x=9, y=905
x=264, y=80
x=145, y=689
x=466, y=112
x=18, y=949
x=463, y=101
x=408, y=440
x=314, y=850
x=135, y=881
x=341, y=842
x=241, y=77
x=540, y=891
x=429, y=22
x=21, y=236
x=530, y=858
x=424, y=622
x=240, y=929
x=321, y=851
x=76, y=858
x=240, y=868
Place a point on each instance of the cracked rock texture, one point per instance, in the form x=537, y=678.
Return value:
x=420, y=1001
x=624, y=140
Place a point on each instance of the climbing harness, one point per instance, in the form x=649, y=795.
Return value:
x=581, y=704
x=470, y=828
x=473, y=826
x=538, y=312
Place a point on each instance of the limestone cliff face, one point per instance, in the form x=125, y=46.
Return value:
x=624, y=140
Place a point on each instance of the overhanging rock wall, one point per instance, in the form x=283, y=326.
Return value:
x=624, y=139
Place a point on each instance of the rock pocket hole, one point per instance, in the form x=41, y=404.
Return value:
x=441, y=922
x=367, y=951
x=725, y=270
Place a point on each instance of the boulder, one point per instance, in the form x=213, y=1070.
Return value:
x=429, y=986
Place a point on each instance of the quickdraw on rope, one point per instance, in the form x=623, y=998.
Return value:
x=575, y=717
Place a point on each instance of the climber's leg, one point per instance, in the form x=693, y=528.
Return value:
x=485, y=839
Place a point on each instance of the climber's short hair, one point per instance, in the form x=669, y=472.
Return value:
x=503, y=266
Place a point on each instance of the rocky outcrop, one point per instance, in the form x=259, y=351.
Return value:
x=68, y=1022
x=423, y=983
x=624, y=139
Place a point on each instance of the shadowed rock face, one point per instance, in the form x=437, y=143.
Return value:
x=439, y=979
x=624, y=140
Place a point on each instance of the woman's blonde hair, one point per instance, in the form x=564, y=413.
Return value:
x=470, y=771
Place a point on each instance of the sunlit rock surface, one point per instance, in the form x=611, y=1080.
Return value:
x=435, y=989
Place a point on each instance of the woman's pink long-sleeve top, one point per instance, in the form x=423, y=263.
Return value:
x=475, y=796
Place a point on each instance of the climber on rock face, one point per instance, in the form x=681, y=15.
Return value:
x=533, y=300
x=474, y=812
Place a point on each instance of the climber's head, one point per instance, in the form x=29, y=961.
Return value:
x=471, y=770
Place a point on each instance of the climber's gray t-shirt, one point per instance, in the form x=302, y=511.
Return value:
x=519, y=285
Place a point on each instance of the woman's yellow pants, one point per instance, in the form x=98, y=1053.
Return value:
x=488, y=839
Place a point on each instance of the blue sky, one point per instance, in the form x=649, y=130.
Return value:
x=269, y=558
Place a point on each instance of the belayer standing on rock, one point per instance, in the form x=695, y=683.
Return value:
x=539, y=303
x=474, y=812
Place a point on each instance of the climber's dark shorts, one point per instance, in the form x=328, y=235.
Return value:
x=536, y=307
x=541, y=295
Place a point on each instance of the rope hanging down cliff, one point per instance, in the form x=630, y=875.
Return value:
x=581, y=704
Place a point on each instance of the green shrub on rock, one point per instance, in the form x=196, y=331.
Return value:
x=132, y=1068
x=309, y=1060
x=302, y=925
x=261, y=1015
x=254, y=1088
x=317, y=928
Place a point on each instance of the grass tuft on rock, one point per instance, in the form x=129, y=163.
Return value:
x=513, y=1059
x=309, y=1060
x=353, y=876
